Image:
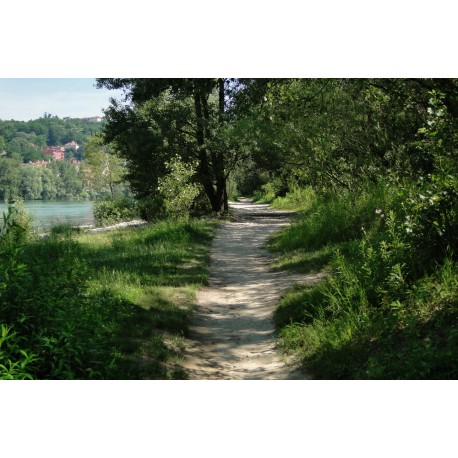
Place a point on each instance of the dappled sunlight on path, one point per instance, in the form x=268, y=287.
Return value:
x=232, y=333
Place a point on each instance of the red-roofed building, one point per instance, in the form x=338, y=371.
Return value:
x=57, y=152
x=71, y=145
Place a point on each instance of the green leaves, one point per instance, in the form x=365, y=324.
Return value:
x=104, y=169
x=112, y=211
x=14, y=360
x=178, y=187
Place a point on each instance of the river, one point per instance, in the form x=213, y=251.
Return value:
x=47, y=213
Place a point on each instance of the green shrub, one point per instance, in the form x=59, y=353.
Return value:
x=431, y=219
x=152, y=208
x=300, y=199
x=176, y=195
x=16, y=225
x=267, y=193
x=178, y=189
x=114, y=211
x=14, y=359
x=388, y=307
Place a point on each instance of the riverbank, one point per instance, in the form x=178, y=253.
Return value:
x=92, y=229
x=109, y=304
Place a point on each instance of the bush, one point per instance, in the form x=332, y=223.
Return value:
x=267, y=193
x=152, y=208
x=431, y=219
x=16, y=225
x=177, y=188
x=114, y=211
x=14, y=360
x=300, y=199
x=388, y=309
x=177, y=194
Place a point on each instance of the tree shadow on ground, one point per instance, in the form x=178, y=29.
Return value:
x=420, y=350
x=153, y=274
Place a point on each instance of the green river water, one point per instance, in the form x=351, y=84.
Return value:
x=48, y=213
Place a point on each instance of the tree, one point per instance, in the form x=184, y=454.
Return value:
x=31, y=183
x=342, y=133
x=2, y=145
x=24, y=144
x=9, y=178
x=49, y=184
x=170, y=117
x=105, y=168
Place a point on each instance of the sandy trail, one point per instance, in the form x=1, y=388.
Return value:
x=232, y=332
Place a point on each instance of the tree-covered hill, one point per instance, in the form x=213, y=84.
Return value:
x=22, y=142
x=25, y=138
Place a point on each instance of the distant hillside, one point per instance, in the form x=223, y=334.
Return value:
x=24, y=140
x=52, y=148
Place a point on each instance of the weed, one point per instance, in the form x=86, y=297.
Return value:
x=96, y=306
x=383, y=312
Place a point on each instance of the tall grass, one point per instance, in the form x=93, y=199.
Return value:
x=110, y=305
x=388, y=308
x=299, y=199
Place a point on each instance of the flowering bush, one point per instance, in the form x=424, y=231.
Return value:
x=432, y=218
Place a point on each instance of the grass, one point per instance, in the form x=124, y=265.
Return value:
x=108, y=305
x=299, y=199
x=157, y=269
x=378, y=314
x=416, y=340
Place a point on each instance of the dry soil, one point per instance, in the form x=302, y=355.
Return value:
x=232, y=332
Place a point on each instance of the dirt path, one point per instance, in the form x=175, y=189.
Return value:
x=232, y=333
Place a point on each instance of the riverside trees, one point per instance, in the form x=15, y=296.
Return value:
x=341, y=133
x=168, y=118
x=331, y=134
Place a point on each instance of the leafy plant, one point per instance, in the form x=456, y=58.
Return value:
x=178, y=189
x=111, y=211
x=432, y=218
x=14, y=360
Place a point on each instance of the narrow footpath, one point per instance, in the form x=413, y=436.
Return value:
x=232, y=333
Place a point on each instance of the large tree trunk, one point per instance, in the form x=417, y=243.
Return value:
x=204, y=169
x=223, y=183
x=211, y=169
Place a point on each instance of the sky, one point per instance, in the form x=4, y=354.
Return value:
x=23, y=99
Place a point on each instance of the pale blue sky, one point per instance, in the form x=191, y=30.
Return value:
x=23, y=99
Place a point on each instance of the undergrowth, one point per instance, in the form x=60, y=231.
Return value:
x=98, y=306
x=389, y=304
